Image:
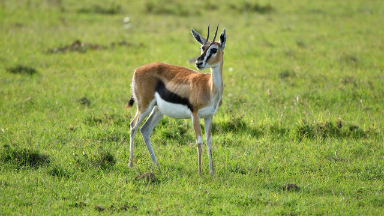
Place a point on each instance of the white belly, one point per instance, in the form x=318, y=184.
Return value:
x=182, y=111
x=172, y=110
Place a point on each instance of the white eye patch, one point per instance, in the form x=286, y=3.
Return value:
x=211, y=51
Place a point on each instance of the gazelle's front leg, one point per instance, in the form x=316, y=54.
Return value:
x=208, y=127
x=199, y=141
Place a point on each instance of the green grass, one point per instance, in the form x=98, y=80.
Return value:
x=302, y=105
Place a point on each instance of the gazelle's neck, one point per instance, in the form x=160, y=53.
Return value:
x=217, y=77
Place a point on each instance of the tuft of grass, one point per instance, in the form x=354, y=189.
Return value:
x=378, y=201
x=126, y=207
x=147, y=177
x=236, y=168
x=235, y=124
x=286, y=74
x=349, y=59
x=83, y=47
x=106, y=119
x=290, y=187
x=80, y=205
x=349, y=80
x=208, y=5
x=179, y=132
x=22, y=69
x=329, y=129
x=59, y=172
x=252, y=7
x=99, y=208
x=24, y=157
x=84, y=101
x=373, y=172
x=104, y=160
x=101, y=9
x=174, y=8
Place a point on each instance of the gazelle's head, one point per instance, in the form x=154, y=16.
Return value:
x=211, y=52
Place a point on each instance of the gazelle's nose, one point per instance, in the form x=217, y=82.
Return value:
x=199, y=65
x=201, y=58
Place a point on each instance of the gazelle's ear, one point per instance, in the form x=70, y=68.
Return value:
x=198, y=37
x=223, y=39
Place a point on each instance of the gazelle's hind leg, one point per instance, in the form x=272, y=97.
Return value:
x=133, y=128
x=147, y=128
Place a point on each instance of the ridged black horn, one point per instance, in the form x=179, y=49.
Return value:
x=206, y=40
x=215, y=33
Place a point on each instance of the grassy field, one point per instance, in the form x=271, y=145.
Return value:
x=300, y=130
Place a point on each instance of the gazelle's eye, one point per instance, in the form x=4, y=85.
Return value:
x=214, y=50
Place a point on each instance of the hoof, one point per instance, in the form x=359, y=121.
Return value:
x=130, y=165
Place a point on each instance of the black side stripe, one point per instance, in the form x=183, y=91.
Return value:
x=171, y=97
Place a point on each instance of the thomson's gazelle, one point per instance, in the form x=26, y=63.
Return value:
x=178, y=92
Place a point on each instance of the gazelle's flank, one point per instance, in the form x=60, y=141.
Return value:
x=178, y=92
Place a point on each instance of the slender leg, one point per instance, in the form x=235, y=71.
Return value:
x=147, y=128
x=132, y=137
x=133, y=128
x=208, y=127
x=199, y=141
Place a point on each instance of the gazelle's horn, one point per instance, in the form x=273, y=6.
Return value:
x=215, y=34
x=206, y=40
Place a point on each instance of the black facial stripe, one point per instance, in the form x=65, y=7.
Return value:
x=211, y=53
x=171, y=97
x=201, y=58
x=209, y=56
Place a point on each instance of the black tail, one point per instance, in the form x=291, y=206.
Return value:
x=129, y=104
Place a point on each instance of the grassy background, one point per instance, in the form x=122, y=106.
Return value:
x=303, y=105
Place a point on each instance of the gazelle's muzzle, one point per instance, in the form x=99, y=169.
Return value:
x=199, y=65
x=201, y=60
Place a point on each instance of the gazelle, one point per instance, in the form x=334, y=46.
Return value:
x=178, y=92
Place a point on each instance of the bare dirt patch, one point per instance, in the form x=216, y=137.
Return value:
x=82, y=47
